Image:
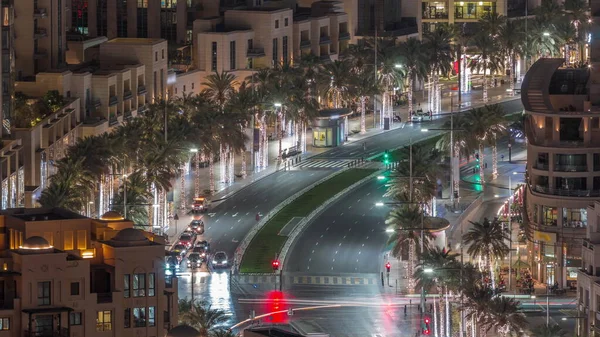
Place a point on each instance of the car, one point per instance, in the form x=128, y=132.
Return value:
x=200, y=205
x=186, y=239
x=194, y=260
x=202, y=243
x=201, y=251
x=171, y=263
x=196, y=226
x=179, y=249
x=219, y=260
x=193, y=234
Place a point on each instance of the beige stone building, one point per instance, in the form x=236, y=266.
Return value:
x=68, y=275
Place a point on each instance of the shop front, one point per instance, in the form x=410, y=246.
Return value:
x=330, y=127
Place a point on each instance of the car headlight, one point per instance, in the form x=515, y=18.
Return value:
x=225, y=262
x=168, y=266
x=215, y=262
x=177, y=266
x=189, y=228
x=168, y=272
x=203, y=254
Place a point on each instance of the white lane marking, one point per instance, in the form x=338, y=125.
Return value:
x=333, y=221
x=255, y=207
x=342, y=214
x=369, y=193
x=359, y=252
x=310, y=259
x=231, y=227
x=234, y=206
x=321, y=236
x=358, y=201
x=367, y=237
x=355, y=222
x=209, y=227
x=340, y=244
x=244, y=200
x=225, y=213
x=212, y=214
x=234, y=215
x=349, y=229
x=344, y=237
x=316, y=244
x=239, y=220
x=336, y=251
x=308, y=267
x=333, y=260
x=217, y=220
x=312, y=251
x=363, y=214
x=327, y=229
x=247, y=213
x=349, y=207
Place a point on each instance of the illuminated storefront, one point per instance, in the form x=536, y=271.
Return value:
x=330, y=128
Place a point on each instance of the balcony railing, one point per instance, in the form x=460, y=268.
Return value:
x=255, y=52
x=141, y=89
x=127, y=95
x=344, y=36
x=39, y=13
x=112, y=121
x=439, y=15
x=541, y=166
x=325, y=39
x=566, y=193
x=113, y=100
x=304, y=44
x=570, y=168
x=39, y=33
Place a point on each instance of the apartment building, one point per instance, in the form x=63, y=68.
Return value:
x=588, y=277
x=7, y=65
x=40, y=42
x=68, y=275
x=451, y=11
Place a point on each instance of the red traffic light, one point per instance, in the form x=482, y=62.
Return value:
x=275, y=264
x=388, y=266
x=426, y=332
x=427, y=320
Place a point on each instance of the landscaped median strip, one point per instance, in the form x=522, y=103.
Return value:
x=267, y=243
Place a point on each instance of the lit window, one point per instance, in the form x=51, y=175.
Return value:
x=139, y=285
x=5, y=323
x=151, y=286
x=151, y=316
x=139, y=317
x=126, y=282
x=75, y=318
x=104, y=321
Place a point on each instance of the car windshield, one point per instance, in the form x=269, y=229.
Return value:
x=193, y=257
x=178, y=247
x=220, y=256
x=185, y=237
x=196, y=223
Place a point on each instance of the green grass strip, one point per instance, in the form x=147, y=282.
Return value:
x=267, y=244
x=400, y=153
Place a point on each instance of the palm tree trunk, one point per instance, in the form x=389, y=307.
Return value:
x=304, y=136
x=491, y=268
x=363, y=124
x=411, y=267
x=197, y=175
x=481, y=164
x=456, y=168
x=437, y=93
x=265, y=139
x=448, y=310
x=211, y=172
x=410, y=94
x=278, y=130
x=485, y=82
x=513, y=70
x=566, y=54
x=182, y=191
x=222, y=163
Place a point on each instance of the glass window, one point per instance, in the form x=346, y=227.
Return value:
x=126, y=282
x=214, y=57
x=285, y=22
x=139, y=317
x=127, y=318
x=550, y=216
x=75, y=318
x=43, y=293
x=151, y=316
x=155, y=56
x=5, y=323
x=139, y=285
x=104, y=321
x=163, y=54
x=82, y=239
x=284, y=51
x=574, y=217
x=74, y=288
x=275, y=56
x=276, y=24
x=232, y=55
x=151, y=286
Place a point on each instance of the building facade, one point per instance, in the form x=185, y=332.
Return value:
x=67, y=275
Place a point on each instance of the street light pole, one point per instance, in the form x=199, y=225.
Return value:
x=125, y=196
x=509, y=232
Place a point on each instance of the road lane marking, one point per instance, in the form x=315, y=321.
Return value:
x=333, y=221
x=327, y=229
x=342, y=214
x=234, y=215
x=244, y=200
x=340, y=244
x=333, y=260
x=321, y=236
x=355, y=222
x=231, y=227
x=344, y=237
x=359, y=252
x=369, y=193
x=358, y=201
x=312, y=251
x=212, y=214
x=316, y=244
x=225, y=213
x=367, y=237
x=336, y=251
x=349, y=207
x=217, y=220
x=239, y=220
x=247, y=213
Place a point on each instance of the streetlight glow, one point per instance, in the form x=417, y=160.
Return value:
x=428, y=270
x=277, y=105
x=398, y=66
x=380, y=177
x=424, y=130
x=379, y=204
x=193, y=150
x=546, y=34
x=389, y=230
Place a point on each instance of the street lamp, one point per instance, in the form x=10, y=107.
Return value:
x=398, y=66
x=277, y=105
x=546, y=34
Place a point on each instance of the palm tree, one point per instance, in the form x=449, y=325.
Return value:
x=492, y=23
x=577, y=12
x=243, y=104
x=487, y=240
x=440, y=60
x=390, y=76
x=504, y=315
x=414, y=58
x=338, y=72
x=544, y=330
x=138, y=199
x=488, y=58
x=511, y=37
x=201, y=316
x=407, y=222
x=364, y=85
x=566, y=32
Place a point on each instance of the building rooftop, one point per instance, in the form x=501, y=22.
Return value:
x=41, y=214
x=135, y=41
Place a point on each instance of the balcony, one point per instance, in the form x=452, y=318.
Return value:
x=304, y=44
x=127, y=114
x=127, y=95
x=113, y=100
x=570, y=168
x=566, y=193
x=39, y=13
x=255, y=52
x=435, y=16
x=40, y=54
x=40, y=33
x=141, y=89
x=541, y=166
x=344, y=36
x=325, y=39
x=325, y=58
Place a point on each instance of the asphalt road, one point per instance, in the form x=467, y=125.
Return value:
x=391, y=140
x=347, y=237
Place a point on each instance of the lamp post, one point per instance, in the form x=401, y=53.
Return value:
x=196, y=156
x=279, y=122
x=125, y=196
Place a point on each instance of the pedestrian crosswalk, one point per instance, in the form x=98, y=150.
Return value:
x=323, y=163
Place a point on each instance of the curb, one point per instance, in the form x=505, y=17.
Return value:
x=239, y=252
x=308, y=219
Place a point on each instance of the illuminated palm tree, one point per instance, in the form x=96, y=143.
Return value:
x=544, y=330
x=364, y=85
x=487, y=59
x=414, y=59
x=512, y=37
x=577, y=12
x=338, y=73
x=440, y=60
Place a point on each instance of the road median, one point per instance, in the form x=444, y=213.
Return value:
x=268, y=243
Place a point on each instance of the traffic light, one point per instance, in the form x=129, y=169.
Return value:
x=386, y=157
x=388, y=266
x=427, y=320
x=425, y=329
x=275, y=265
x=477, y=156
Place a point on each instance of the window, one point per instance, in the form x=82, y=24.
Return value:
x=104, y=321
x=192, y=85
x=43, y=293
x=126, y=282
x=127, y=318
x=163, y=54
x=139, y=285
x=275, y=56
x=5, y=323
x=213, y=65
x=276, y=24
x=74, y=288
x=284, y=45
x=139, y=317
x=285, y=22
x=155, y=56
x=75, y=318
x=151, y=316
x=151, y=286
x=550, y=216
x=68, y=236
x=184, y=88
x=250, y=44
x=595, y=123
x=82, y=239
x=232, y=55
